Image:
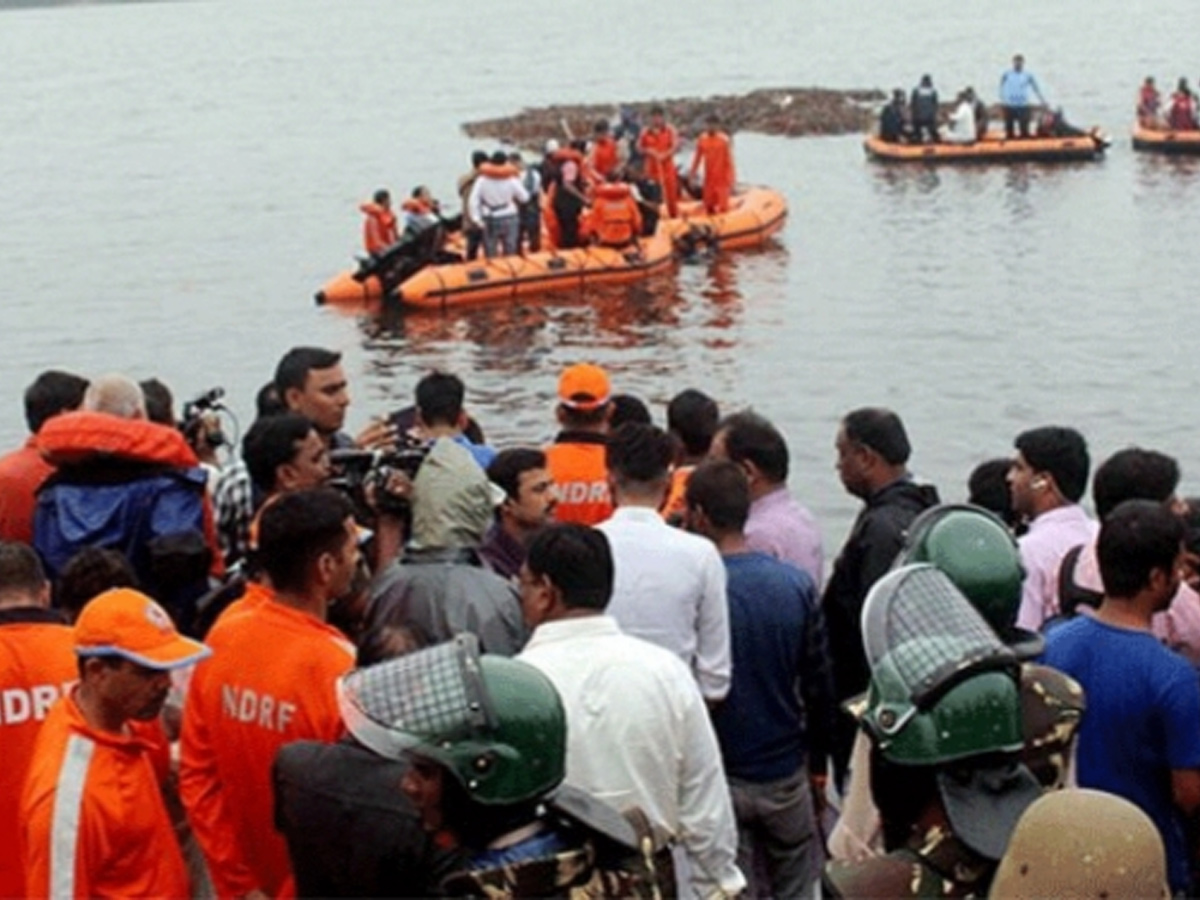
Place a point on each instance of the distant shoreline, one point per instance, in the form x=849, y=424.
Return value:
x=789, y=112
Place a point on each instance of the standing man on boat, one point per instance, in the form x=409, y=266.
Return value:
x=1015, y=85
x=715, y=151
x=924, y=106
x=658, y=144
x=472, y=228
x=494, y=201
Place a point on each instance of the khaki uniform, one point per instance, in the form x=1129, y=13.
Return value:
x=935, y=864
x=1051, y=706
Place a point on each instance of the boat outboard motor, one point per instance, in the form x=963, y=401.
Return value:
x=395, y=264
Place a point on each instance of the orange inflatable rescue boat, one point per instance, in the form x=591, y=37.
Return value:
x=426, y=278
x=994, y=148
x=1174, y=143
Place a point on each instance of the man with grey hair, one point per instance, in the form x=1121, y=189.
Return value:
x=116, y=395
x=128, y=484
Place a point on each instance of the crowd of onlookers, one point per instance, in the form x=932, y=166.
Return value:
x=407, y=662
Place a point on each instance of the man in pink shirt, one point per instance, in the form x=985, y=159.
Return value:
x=778, y=525
x=1134, y=474
x=1047, y=479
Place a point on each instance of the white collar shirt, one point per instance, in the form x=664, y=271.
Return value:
x=669, y=589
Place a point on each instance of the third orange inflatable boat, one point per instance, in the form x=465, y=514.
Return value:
x=993, y=148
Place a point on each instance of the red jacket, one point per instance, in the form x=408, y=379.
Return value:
x=21, y=474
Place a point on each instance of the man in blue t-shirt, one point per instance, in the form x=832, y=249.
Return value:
x=774, y=723
x=440, y=413
x=1015, y=85
x=1140, y=738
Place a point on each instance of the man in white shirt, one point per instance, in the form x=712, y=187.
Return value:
x=1047, y=480
x=669, y=585
x=495, y=200
x=638, y=732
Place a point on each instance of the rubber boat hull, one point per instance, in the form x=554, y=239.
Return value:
x=994, y=148
x=1172, y=143
x=510, y=277
x=755, y=215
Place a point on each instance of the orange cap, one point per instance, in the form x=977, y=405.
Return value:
x=583, y=386
x=125, y=622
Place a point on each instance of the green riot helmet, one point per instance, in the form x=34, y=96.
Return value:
x=495, y=724
x=943, y=687
x=979, y=554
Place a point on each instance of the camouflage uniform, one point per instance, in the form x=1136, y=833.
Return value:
x=1051, y=706
x=598, y=869
x=935, y=864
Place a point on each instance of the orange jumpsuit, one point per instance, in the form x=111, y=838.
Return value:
x=379, y=227
x=578, y=464
x=94, y=820
x=605, y=157
x=270, y=681
x=37, y=666
x=659, y=146
x=715, y=152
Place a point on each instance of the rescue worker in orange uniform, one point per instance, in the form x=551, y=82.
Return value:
x=379, y=227
x=614, y=219
x=658, y=144
x=37, y=666
x=577, y=459
x=715, y=152
x=270, y=682
x=605, y=157
x=94, y=820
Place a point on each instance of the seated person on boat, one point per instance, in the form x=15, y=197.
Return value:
x=614, y=219
x=960, y=129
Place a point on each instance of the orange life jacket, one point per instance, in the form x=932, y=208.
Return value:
x=416, y=207
x=579, y=468
x=615, y=219
x=379, y=228
x=76, y=436
x=498, y=172
x=605, y=157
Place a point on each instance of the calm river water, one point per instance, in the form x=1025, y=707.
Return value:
x=178, y=178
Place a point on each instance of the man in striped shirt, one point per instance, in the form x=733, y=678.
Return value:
x=94, y=820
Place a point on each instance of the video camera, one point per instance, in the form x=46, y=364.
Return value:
x=358, y=472
x=200, y=422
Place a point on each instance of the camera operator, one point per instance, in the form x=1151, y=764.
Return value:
x=439, y=583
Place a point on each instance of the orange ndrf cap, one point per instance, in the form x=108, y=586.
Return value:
x=127, y=623
x=583, y=386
